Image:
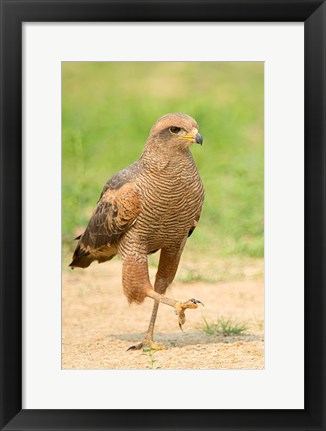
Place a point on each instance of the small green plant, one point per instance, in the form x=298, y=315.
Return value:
x=149, y=352
x=224, y=327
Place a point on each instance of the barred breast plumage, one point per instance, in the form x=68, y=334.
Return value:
x=152, y=205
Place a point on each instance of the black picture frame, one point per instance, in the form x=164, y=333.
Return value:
x=13, y=14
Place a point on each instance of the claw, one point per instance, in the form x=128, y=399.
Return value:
x=147, y=345
x=196, y=301
x=181, y=307
x=135, y=347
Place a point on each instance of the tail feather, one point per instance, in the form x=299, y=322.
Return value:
x=81, y=258
x=81, y=261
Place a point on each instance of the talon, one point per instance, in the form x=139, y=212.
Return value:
x=147, y=345
x=181, y=307
x=196, y=301
x=135, y=347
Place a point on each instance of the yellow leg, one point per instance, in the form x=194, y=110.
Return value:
x=148, y=340
x=180, y=307
x=166, y=271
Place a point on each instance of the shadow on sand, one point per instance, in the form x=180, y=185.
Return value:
x=177, y=339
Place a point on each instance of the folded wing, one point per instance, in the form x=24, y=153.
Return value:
x=116, y=211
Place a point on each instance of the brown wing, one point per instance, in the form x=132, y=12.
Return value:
x=121, y=178
x=114, y=214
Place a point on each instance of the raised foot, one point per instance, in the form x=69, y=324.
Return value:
x=181, y=307
x=147, y=345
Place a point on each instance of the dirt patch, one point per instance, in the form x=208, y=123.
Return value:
x=98, y=325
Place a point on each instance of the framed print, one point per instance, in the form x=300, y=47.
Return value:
x=82, y=85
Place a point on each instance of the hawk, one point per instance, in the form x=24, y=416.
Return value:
x=153, y=204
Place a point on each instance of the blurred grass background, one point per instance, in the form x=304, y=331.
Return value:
x=107, y=111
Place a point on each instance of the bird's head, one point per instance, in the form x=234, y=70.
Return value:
x=173, y=133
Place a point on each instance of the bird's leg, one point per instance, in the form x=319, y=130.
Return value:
x=137, y=285
x=180, y=307
x=148, y=340
x=167, y=268
x=150, y=330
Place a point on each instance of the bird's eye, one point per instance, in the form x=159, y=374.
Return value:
x=174, y=129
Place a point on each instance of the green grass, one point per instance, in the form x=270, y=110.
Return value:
x=107, y=111
x=224, y=327
x=149, y=353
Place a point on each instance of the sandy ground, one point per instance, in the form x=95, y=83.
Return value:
x=98, y=325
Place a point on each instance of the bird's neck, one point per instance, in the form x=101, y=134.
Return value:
x=153, y=159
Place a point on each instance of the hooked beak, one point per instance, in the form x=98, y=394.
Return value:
x=194, y=136
x=199, y=138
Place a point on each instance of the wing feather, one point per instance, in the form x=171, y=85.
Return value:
x=115, y=212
